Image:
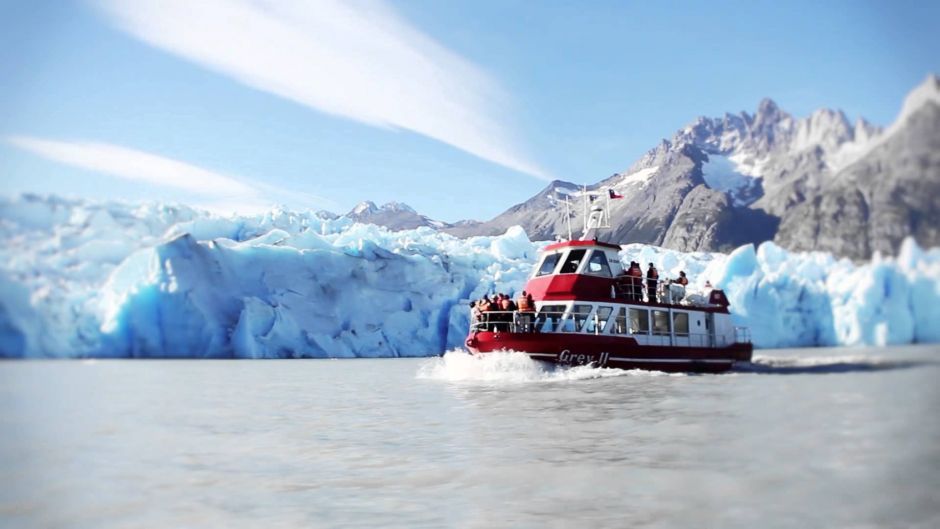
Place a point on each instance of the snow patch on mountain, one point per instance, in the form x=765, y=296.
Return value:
x=364, y=207
x=724, y=174
x=641, y=177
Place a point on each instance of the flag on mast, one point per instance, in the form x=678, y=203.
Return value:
x=613, y=194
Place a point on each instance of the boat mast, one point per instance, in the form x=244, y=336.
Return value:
x=596, y=216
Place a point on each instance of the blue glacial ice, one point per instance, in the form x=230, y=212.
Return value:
x=83, y=279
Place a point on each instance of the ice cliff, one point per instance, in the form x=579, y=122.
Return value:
x=80, y=279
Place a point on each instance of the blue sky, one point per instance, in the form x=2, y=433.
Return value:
x=460, y=109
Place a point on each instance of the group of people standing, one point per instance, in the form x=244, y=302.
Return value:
x=500, y=309
x=634, y=282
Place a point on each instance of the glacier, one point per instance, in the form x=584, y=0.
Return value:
x=109, y=279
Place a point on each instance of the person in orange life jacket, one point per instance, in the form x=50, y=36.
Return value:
x=637, y=281
x=502, y=302
x=492, y=305
x=524, y=303
x=526, y=307
x=652, y=277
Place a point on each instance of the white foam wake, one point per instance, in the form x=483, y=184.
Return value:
x=512, y=367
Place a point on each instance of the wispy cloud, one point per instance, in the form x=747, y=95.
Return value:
x=356, y=59
x=222, y=191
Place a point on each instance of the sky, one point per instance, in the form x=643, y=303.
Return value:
x=459, y=109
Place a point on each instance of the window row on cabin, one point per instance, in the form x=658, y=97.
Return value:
x=553, y=318
x=597, y=263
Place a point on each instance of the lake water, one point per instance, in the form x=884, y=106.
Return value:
x=802, y=438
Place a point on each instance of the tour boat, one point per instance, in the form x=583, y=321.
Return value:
x=586, y=311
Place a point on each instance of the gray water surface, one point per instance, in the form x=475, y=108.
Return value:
x=802, y=438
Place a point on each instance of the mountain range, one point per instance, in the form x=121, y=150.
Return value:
x=814, y=183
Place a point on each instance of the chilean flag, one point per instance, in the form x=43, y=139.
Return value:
x=613, y=194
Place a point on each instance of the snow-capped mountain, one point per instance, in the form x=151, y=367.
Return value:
x=392, y=215
x=816, y=183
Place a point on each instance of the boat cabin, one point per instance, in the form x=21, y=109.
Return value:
x=585, y=269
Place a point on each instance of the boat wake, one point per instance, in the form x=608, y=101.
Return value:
x=514, y=367
x=777, y=365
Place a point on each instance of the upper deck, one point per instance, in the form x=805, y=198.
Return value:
x=591, y=270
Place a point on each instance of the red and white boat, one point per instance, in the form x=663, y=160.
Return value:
x=587, y=312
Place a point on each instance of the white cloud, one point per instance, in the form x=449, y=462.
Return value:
x=356, y=59
x=132, y=164
x=223, y=192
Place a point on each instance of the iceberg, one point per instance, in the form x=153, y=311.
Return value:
x=86, y=279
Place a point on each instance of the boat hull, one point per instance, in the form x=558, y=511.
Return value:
x=621, y=352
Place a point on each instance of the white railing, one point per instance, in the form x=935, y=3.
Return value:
x=631, y=288
x=566, y=322
x=742, y=335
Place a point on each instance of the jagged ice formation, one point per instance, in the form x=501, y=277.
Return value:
x=82, y=279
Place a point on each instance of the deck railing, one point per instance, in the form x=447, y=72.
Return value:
x=637, y=289
x=569, y=322
x=742, y=335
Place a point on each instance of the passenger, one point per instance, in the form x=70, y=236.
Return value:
x=505, y=316
x=503, y=302
x=492, y=305
x=523, y=304
x=526, y=307
x=637, y=281
x=676, y=289
x=475, y=312
x=652, y=278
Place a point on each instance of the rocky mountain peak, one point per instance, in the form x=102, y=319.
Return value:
x=363, y=208
x=767, y=107
x=927, y=92
x=398, y=207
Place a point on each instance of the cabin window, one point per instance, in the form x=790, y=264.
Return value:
x=639, y=321
x=680, y=323
x=598, y=265
x=548, y=264
x=620, y=322
x=580, y=313
x=549, y=317
x=598, y=322
x=660, y=322
x=573, y=261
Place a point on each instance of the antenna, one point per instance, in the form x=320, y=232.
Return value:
x=596, y=216
x=568, y=217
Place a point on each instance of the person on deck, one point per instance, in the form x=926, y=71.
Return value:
x=475, y=313
x=677, y=288
x=637, y=281
x=523, y=302
x=492, y=305
x=652, y=278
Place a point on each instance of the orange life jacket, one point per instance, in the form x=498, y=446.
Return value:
x=523, y=304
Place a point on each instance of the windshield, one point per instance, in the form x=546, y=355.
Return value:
x=571, y=264
x=548, y=264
